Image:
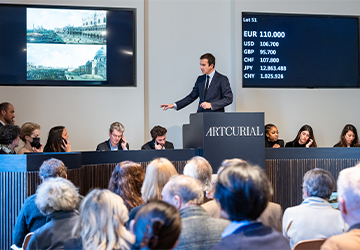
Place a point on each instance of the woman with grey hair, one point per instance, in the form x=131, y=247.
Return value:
x=56, y=198
x=101, y=223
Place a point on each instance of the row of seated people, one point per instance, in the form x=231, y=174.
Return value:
x=58, y=139
x=305, y=137
x=230, y=210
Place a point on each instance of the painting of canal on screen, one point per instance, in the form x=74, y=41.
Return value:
x=66, y=44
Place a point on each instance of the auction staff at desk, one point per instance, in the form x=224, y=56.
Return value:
x=116, y=141
x=212, y=88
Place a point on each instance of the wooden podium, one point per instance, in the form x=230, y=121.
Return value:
x=227, y=135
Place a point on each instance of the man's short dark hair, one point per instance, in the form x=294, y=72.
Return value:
x=52, y=168
x=8, y=133
x=209, y=57
x=243, y=191
x=158, y=131
x=4, y=106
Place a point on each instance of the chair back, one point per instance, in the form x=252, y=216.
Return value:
x=309, y=244
x=26, y=240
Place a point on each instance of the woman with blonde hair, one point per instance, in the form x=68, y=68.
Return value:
x=101, y=223
x=158, y=173
x=30, y=135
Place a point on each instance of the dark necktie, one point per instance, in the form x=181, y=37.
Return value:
x=207, y=85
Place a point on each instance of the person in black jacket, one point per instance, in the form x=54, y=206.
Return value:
x=158, y=141
x=116, y=141
x=272, y=137
x=304, y=138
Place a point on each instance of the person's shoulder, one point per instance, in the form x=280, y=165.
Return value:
x=147, y=145
x=337, y=145
x=169, y=145
x=103, y=145
x=289, y=144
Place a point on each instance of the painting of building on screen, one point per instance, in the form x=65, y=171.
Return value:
x=66, y=44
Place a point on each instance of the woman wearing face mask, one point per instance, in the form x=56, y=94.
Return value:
x=304, y=138
x=349, y=137
x=30, y=135
x=58, y=140
x=272, y=137
x=9, y=138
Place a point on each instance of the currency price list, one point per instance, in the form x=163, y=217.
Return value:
x=280, y=50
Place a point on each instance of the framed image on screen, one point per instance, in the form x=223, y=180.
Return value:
x=67, y=46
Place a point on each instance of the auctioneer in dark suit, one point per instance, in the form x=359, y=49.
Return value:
x=105, y=146
x=151, y=145
x=219, y=94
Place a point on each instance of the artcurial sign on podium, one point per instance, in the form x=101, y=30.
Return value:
x=227, y=135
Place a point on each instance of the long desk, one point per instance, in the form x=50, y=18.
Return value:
x=284, y=167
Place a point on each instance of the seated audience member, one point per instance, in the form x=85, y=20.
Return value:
x=271, y=216
x=9, y=139
x=348, y=187
x=57, y=198
x=6, y=114
x=158, y=173
x=244, y=191
x=199, y=229
x=101, y=223
x=272, y=137
x=58, y=140
x=126, y=181
x=199, y=168
x=30, y=135
x=156, y=226
x=117, y=139
x=314, y=218
x=349, y=137
x=304, y=138
x=158, y=135
x=30, y=218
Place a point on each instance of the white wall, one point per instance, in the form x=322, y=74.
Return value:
x=86, y=112
x=180, y=31
x=171, y=36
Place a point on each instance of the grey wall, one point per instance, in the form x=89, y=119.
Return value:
x=171, y=36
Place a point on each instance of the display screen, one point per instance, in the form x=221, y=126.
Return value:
x=67, y=46
x=304, y=51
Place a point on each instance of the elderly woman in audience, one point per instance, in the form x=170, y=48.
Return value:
x=199, y=168
x=101, y=223
x=314, y=218
x=57, y=198
x=305, y=138
x=244, y=191
x=158, y=173
x=58, y=140
x=30, y=135
x=157, y=226
x=30, y=218
x=126, y=180
x=349, y=137
x=9, y=139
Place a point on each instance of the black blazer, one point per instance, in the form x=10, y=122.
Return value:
x=219, y=94
x=151, y=145
x=105, y=146
x=269, y=144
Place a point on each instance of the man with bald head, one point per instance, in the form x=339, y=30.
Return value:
x=199, y=230
x=6, y=114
